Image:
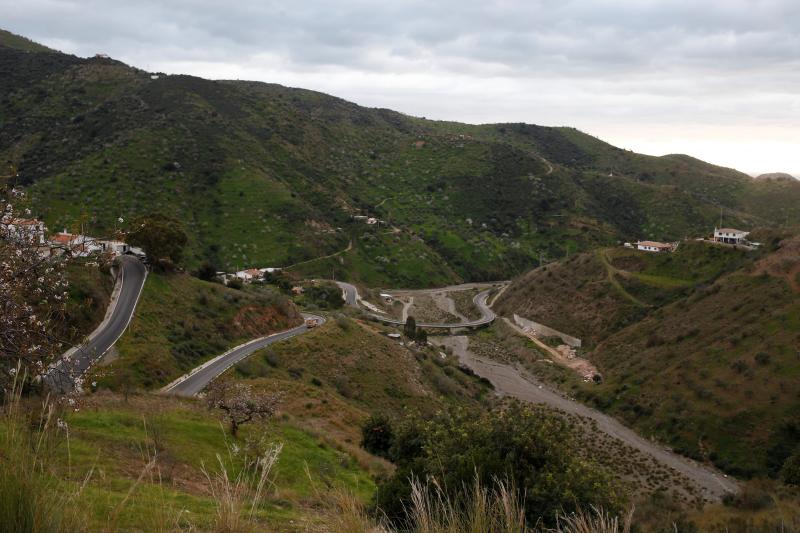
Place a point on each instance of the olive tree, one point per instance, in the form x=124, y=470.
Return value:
x=240, y=403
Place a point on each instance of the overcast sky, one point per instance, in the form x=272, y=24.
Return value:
x=717, y=79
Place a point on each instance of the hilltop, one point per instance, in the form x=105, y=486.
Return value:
x=776, y=176
x=265, y=175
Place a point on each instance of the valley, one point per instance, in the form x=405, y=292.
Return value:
x=308, y=315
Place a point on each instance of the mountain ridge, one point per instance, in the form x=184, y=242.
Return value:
x=264, y=175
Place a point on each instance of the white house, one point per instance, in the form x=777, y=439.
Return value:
x=653, y=246
x=249, y=275
x=114, y=247
x=269, y=270
x=730, y=235
x=26, y=228
x=77, y=245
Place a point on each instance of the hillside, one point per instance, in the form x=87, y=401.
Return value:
x=697, y=348
x=181, y=322
x=271, y=176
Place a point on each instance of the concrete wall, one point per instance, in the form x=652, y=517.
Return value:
x=544, y=331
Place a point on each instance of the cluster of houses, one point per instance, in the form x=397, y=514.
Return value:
x=728, y=236
x=76, y=245
x=248, y=275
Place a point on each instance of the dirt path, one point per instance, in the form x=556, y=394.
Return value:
x=612, y=272
x=582, y=367
x=549, y=165
x=511, y=381
x=334, y=254
x=446, y=304
x=406, y=306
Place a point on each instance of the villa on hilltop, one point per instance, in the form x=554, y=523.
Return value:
x=730, y=236
x=653, y=246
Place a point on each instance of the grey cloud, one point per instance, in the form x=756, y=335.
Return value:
x=627, y=63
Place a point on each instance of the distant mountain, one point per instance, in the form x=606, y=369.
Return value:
x=265, y=175
x=776, y=176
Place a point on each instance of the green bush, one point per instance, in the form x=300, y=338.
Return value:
x=529, y=446
x=377, y=435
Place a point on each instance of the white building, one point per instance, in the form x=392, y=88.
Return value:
x=249, y=275
x=114, y=247
x=653, y=246
x=730, y=235
x=26, y=228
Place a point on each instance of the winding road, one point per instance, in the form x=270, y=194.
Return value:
x=195, y=381
x=351, y=298
x=65, y=374
x=510, y=381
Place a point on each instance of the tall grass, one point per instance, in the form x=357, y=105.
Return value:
x=31, y=497
x=496, y=509
x=238, y=496
x=483, y=509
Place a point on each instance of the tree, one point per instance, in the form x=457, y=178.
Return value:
x=422, y=336
x=410, y=328
x=528, y=447
x=33, y=296
x=162, y=238
x=240, y=403
x=206, y=272
x=377, y=435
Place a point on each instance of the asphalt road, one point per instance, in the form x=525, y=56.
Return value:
x=72, y=365
x=509, y=381
x=200, y=377
x=487, y=315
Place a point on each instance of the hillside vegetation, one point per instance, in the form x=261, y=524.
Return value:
x=698, y=347
x=264, y=175
x=180, y=322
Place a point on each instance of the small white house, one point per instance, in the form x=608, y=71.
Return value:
x=249, y=275
x=269, y=270
x=76, y=245
x=32, y=229
x=730, y=235
x=653, y=246
x=114, y=247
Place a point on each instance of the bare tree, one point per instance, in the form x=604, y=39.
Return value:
x=240, y=403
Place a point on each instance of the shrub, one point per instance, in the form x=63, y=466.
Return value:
x=527, y=445
x=754, y=496
x=790, y=473
x=272, y=358
x=377, y=435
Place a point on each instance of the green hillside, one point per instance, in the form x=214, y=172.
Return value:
x=271, y=176
x=697, y=348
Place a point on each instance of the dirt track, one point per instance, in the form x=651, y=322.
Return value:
x=509, y=381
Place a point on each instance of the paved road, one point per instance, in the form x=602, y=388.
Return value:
x=194, y=382
x=487, y=315
x=63, y=374
x=509, y=381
